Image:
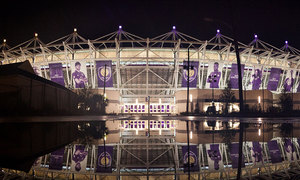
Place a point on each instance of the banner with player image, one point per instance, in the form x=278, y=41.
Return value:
x=274, y=152
x=56, y=159
x=214, y=73
x=289, y=80
x=214, y=157
x=234, y=155
x=37, y=69
x=256, y=153
x=194, y=165
x=104, y=159
x=56, y=73
x=103, y=67
x=79, y=74
x=234, y=76
x=79, y=159
x=289, y=149
x=274, y=79
x=256, y=78
x=192, y=76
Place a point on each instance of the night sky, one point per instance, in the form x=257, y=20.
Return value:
x=273, y=21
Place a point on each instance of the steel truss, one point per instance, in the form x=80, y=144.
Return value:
x=148, y=71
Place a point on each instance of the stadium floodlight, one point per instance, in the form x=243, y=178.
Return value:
x=255, y=36
x=35, y=34
x=218, y=30
x=120, y=27
x=4, y=40
x=286, y=42
x=174, y=27
x=75, y=29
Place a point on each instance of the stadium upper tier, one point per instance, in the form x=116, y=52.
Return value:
x=154, y=66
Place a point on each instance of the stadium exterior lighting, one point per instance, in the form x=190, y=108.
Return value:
x=255, y=36
x=218, y=31
x=120, y=27
x=191, y=97
x=4, y=40
x=191, y=134
x=174, y=27
x=36, y=34
x=136, y=101
x=258, y=99
x=75, y=29
x=159, y=100
x=286, y=42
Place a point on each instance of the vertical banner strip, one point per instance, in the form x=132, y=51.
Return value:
x=234, y=155
x=274, y=79
x=100, y=72
x=274, y=152
x=56, y=159
x=192, y=76
x=234, y=76
x=104, y=159
x=194, y=166
x=56, y=73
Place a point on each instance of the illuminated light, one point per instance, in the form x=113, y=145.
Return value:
x=259, y=132
x=159, y=100
x=218, y=30
x=259, y=120
x=174, y=27
x=136, y=101
x=159, y=131
x=255, y=36
x=4, y=40
x=174, y=100
x=191, y=98
x=105, y=95
x=75, y=29
x=258, y=99
x=191, y=134
x=120, y=27
x=136, y=132
x=105, y=137
x=286, y=42
x=35, y=34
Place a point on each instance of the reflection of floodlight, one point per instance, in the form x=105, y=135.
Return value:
x=174, y=27
x=191, y=98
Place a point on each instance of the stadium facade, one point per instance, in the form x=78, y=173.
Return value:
x=135, y=68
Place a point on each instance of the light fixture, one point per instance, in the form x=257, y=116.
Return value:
x=255, y=36
x=191, y=98
x=105, y=137
x=4, y=40
x=174, y=100
x=191, y=134
x=259, y=132
x=75, y=29
x=35, y=34
x=120, y=27
x=286, y=42
x=104, y=95
x=136, y=132
x=159, y=100
x=159, y=131
x=136, y=101
x=174, y=27
x=258, y=99
x=218, y=30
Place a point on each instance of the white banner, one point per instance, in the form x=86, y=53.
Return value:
x=214, y=74
x=79, y=159
x=256, y=153
x=289, y=80
x=255, y=81
x=37, y=69
x=214, y=157
x=79, y=74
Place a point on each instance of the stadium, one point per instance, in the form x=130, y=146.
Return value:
x=147, y=75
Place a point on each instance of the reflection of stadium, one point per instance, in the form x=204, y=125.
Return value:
x=142, y=67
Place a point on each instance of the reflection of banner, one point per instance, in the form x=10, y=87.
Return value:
x=193, y=158
x=37, y=69
x=214, y=157
x=214, y=73
x=234, y=75
x=274, y=152
x=289, y=150
x=274, y=79
x=193, y=74
x=100, y=69
x=256, y=153
x=79, y=74
x=104, y=159
x=289, y=80
x=79, y=159
x=56, y=159
x=56, y=73
x=256, y=77
x=234, y=154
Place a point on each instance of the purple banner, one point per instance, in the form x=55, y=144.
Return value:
x=256, y=153
x=104, y=159
x=274, y=152
x=56, y=159
x=192, y=76
x=101, y=68
x=274, y=79
x=234, y=75
x=234, y=154
x=56, y=73
x=194, y=166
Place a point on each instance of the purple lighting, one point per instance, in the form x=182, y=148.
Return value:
x=255, y=36
x=286, y=42
x=174, y=27
x=218, y=30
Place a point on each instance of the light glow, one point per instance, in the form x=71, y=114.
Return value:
x=286, y=42
x=35, y=34
x=136, y=132
x=75, y=29
x=191, y=134
x=4, y=40
x=255, y=36
x=191, y=98
x=259, y=132
x=120, y=27
x=258, y=99
x=159, y=100
x=136, y=101
x=218, y=30
x=159, y=131
x=174, y=27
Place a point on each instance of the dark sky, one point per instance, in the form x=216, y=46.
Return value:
x=274, y=21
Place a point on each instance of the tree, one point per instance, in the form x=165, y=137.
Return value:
x=227, y=134
x=91, y=131
x=286, y=102
x=227, y=97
